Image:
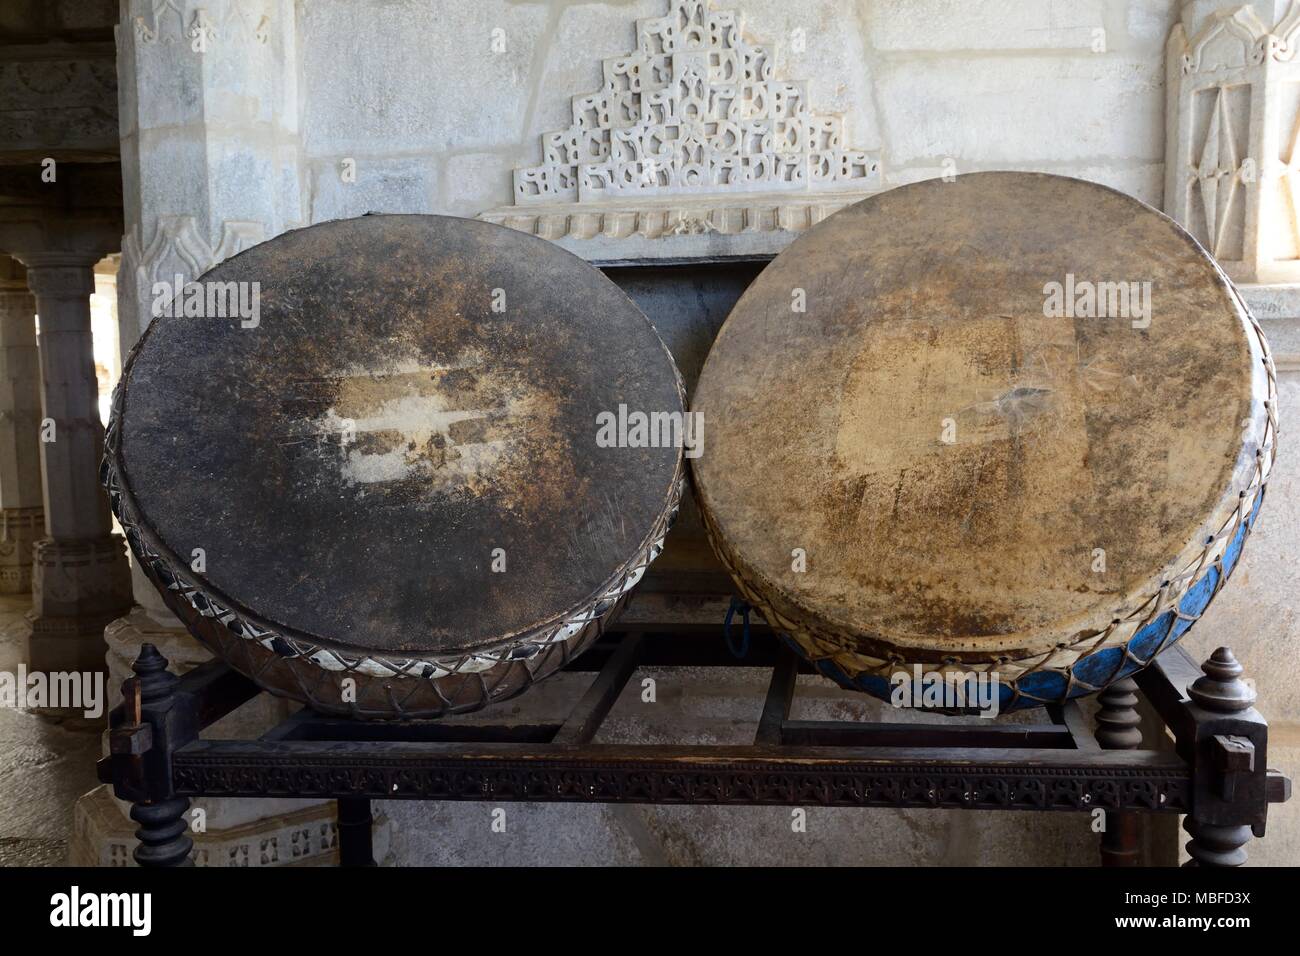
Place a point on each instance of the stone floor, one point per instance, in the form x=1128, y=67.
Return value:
x=45, y=765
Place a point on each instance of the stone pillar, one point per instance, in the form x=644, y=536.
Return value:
x=80, y=576
x=1232, y=149
x=1232, y=171
x=212, y=172
x=22, y=519
x=206, y=175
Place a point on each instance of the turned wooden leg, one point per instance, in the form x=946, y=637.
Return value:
x=1220, y=691
x=1215, y=846
x=1118, y=723
x=163, y=834
x=1118, y=729
x=164, y=831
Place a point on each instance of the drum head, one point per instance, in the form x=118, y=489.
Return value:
x=1007, y=420
x=395, y=468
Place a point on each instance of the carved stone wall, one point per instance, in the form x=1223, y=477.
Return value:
x=1233, y=166
x=209, y=151
x=690, y=134
x=920, y=88
x=58, y=85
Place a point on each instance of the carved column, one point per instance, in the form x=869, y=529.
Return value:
x=206, y=176
x=210, y=173
x=80, y=579
x=1119, y=727
x=22, y=519
x=1232, y=164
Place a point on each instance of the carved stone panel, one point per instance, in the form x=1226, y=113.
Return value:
x=1233, y=130
x=59, y=106
x=691, y=146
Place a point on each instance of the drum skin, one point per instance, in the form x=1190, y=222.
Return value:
x=940, y=464
x=386, y=496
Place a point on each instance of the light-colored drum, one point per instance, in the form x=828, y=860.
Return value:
x=1012, y=425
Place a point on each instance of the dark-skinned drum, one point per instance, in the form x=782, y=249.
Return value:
x=386, y=494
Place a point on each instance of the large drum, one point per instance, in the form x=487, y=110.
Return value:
x=1012, y=427
x=389, y=479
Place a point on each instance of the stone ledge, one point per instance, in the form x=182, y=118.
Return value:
x=1277, y=307
x=717, y=226
x=309, y=837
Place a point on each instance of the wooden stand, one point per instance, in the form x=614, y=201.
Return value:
x=1217, y=775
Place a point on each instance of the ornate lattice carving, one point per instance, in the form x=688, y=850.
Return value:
x=694, y=109
x=690, y=145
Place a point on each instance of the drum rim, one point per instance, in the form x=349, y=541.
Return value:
x=289, y=642
x=1065, y=642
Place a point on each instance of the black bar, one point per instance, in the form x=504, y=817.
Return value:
x=586, y=717
x=776, y=707
x=1071, y=715
x=836, y=733
x=1008, y=778
x=216, y=690
x=690, y=647
x=308, y=725
x=1165, y=685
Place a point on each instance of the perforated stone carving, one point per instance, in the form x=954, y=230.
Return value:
x=690, y=137
x=695, y=108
